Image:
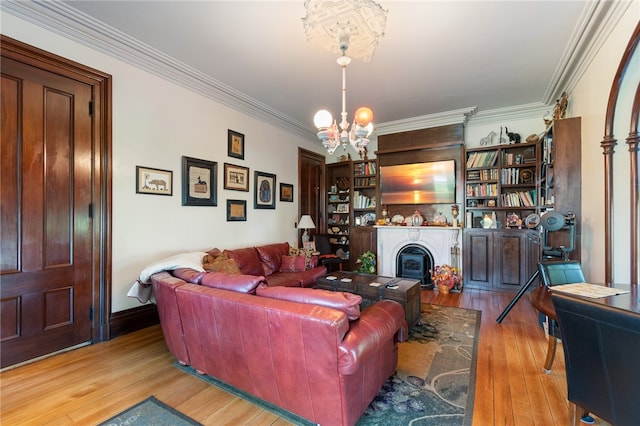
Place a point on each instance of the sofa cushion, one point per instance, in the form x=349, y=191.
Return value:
x=346, y=302
x=293, y=264
x=271, y=256
x=228, y=266
x=189, y=275
x=247, y=259
x=237, y=283
x=311, y=256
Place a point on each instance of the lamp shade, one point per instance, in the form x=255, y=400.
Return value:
x=322, y=119
x=306, y=222
x=363, y=116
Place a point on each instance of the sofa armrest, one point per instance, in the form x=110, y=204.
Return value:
x=378, y=325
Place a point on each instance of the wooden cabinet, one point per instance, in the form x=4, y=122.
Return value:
x=495, y=259
x=363, y=239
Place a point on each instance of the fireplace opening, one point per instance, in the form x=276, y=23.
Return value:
x=415, y=261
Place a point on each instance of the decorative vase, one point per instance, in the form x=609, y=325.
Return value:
x=444, y=289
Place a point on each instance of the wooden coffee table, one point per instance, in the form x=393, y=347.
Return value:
x=373, y=288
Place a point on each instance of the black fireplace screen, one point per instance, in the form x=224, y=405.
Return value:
x=415, y=261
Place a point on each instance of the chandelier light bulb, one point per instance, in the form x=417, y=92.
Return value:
x=363, y=116
x=322, y=119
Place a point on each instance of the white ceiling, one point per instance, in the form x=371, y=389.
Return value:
x=436, y=56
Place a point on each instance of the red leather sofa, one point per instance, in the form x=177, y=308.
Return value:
x=266, y=260
x=309, y=351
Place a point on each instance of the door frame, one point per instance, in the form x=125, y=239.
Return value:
x=101, y=84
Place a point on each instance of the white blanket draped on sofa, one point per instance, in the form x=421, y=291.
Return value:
x=141, y=288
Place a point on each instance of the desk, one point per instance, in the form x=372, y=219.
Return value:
x=541, y=300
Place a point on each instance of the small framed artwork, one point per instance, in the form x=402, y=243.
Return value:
x=236, y=210
x=235, y=143
x=154, y=181
x=264, y=187
x=199, y=182
x=309, y=245
x=236, y=178
x=286, y=192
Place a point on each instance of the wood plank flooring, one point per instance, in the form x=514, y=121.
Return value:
x=88, y=385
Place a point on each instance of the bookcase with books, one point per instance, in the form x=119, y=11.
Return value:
x=503, y=182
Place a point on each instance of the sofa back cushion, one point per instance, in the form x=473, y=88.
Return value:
x=293, y=264
x=247, y=260
x=233, y=282
x=346, y=302
x=271, y=256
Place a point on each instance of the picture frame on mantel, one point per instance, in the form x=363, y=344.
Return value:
x=235, y=144
x=264, y=190
x=199, y=182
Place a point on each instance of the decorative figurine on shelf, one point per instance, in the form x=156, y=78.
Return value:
x=416, y=219
x=564, y=103
x=455, y=211
x=513, y=137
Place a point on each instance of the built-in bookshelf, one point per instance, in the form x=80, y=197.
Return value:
x=503, y=181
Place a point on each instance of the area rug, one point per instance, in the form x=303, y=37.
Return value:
x=434, y=382
x=151, y=411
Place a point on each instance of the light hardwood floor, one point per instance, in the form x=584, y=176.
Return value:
x=88, y=385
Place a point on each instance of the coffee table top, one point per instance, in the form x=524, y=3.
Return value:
x=358, y=282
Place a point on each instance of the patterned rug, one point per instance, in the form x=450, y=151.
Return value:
x=435, y=380
x=151, y=411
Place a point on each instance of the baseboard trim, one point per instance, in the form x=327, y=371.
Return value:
x=133, y=319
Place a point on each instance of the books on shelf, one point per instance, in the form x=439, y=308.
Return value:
x=482, y=159
x=367, y=168
x=361, y=201
x=519, y=199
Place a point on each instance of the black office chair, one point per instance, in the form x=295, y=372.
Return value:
x=601, y=346
x=555, y=273
x=326, y=256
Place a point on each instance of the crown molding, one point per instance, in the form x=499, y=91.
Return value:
x=425, y=121
x=519, y=112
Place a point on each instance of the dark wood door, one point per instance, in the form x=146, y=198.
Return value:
x=311, y=187
x=45, y=204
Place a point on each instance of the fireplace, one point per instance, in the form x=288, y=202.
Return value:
x=415, y=261
x=422, y=246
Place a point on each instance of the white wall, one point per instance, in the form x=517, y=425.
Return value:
x=589, y=101
x=155, y=123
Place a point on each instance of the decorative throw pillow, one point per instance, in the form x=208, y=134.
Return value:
x=293, y=263
x=346, y=302
x=220, y=263
x=311, y=260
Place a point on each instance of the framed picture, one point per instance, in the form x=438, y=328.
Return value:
x=309, y=245
x=236, y=210
x=235, y=143
x=264, y=187
x=286, y=192
x=154, y=181
x=199, y=182
x=236, y=178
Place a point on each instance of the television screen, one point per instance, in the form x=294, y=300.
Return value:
x=419, y=183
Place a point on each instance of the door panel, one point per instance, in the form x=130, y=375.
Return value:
x=311, y=184
x=46, y=265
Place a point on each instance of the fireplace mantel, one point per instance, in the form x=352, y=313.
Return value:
x=439, y=240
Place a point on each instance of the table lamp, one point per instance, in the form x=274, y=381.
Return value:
x=306, y=223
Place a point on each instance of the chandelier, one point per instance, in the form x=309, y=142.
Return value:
x=356, y=24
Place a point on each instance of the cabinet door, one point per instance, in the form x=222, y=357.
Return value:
x=363, y=238
x=510, y=250
x=478, y=258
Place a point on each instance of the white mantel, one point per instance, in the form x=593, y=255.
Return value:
x=437, y=239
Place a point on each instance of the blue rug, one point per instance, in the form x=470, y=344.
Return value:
x=435, y=380
x=150, y=412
